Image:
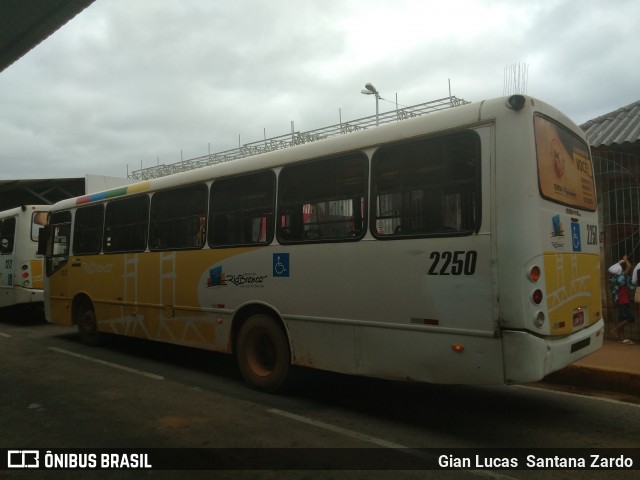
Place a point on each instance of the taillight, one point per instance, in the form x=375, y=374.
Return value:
x=537, y=297
x=534, y=274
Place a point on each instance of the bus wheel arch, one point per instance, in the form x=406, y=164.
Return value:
x=261, y=347
x=84, y=316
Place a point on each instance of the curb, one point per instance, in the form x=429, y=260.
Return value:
x=596, y=379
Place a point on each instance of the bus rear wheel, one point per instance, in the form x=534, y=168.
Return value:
x=87, y=325
x=262, y=353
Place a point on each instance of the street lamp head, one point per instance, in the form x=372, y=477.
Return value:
x=370, y=88
x=366, y=92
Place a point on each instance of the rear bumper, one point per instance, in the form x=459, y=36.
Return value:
x=29, y=295
x=528, y=358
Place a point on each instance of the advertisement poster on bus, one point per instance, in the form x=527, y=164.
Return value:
x=564, y=168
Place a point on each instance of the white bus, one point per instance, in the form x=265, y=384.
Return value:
x=21, y=265
x=456, y=247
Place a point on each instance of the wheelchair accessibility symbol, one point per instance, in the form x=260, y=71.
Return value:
x=575, y=237
x=280, y=264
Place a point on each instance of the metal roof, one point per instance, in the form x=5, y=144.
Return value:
x=14, y=193
x=615, y=128
x=26, y=23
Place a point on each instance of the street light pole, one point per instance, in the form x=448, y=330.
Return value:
x=369, y=89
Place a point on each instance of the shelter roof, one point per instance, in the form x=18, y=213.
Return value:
x=26, y=23
x=622, y=126
x=14, y=193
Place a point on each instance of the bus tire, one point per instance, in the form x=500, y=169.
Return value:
x=262, y=352
x=87, y=325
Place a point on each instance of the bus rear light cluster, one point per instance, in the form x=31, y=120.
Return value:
x=26, y=282
x=535, y=273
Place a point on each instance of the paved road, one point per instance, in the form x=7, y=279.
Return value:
x=58, y=393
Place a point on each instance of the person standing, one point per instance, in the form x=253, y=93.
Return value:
x=622, y=293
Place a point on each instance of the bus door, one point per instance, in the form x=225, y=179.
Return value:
x=7, y=259
x=36, y=265
x=57, y=267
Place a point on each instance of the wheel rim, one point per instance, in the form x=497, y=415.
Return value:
x=87, y=323
x=261, y=354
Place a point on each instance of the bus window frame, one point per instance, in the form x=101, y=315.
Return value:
x=227, y=216
x=158, y=217
x=292, y=208
x=76, y=232
x=143, y=226
x=473, y=199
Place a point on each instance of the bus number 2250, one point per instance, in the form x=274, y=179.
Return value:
x=458, y=262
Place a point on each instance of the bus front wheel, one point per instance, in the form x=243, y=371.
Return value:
x=263, y=353
x=87, y=325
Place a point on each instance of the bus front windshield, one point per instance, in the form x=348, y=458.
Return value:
x=565, y=172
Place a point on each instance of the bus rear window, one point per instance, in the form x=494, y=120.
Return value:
x=38, y=220
x=7, y=235
x=565, y=172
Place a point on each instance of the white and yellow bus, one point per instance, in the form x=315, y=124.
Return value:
x=456, y=247
x=21, y=266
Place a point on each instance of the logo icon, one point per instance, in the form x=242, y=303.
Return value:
x=557, y=226
x=23, y=459
x=216, y=277
x=280, y=264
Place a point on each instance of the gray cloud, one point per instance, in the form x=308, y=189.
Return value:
x=126, y=84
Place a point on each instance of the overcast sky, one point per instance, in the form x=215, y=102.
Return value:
x=130, y=83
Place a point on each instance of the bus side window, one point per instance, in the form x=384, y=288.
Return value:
x=7, y=236
x=87, y=230
x=241, y=210
x=427, y=187
x=178, y=218
x=126, y=225
x=323, y=200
